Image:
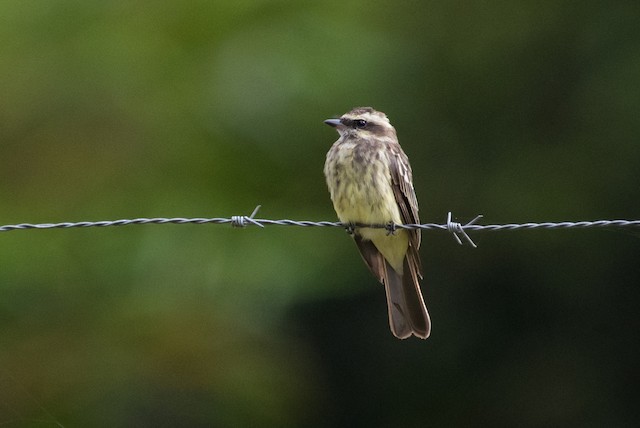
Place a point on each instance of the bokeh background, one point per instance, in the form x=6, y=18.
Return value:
x=521, y=111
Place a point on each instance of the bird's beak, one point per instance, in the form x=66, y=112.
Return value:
x=333, y=122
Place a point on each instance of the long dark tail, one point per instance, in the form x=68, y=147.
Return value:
x=407, y=312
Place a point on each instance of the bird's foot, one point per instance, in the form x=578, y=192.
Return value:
x=391, y=228
x=350, y=228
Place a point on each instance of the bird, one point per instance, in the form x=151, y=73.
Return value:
x=370, y=182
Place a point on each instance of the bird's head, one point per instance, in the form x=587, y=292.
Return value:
x=362, y=122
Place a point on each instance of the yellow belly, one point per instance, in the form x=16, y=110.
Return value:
x=363, y=193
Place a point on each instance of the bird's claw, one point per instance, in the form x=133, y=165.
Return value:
x=350, y=228
x=391, y=228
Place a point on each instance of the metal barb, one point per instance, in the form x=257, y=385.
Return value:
x=242, y=220
x=456, y=228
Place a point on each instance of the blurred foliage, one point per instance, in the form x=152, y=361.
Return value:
x=521, y=111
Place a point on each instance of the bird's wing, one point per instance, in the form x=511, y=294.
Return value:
x=402, y=183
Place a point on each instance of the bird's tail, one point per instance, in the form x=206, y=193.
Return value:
x=407, y=312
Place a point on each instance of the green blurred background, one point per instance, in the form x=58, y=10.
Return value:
x=521, y=111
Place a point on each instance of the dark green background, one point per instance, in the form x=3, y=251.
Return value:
x=521, y=111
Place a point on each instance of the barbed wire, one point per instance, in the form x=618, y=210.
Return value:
x=458, y=230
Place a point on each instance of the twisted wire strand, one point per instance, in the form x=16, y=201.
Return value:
x=236, y=221
x=241, y=221
x=459, y=231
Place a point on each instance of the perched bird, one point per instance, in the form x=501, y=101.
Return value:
x=370, y=182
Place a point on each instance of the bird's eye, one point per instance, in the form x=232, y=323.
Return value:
x=359, y=123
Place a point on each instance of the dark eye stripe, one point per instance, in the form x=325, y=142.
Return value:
x=354, y=123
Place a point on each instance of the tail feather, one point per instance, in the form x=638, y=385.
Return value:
x=407, y=312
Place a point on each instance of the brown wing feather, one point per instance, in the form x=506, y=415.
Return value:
x=402, y=182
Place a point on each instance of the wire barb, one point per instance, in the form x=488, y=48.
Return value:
x=456, y=228
x=242, y=220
